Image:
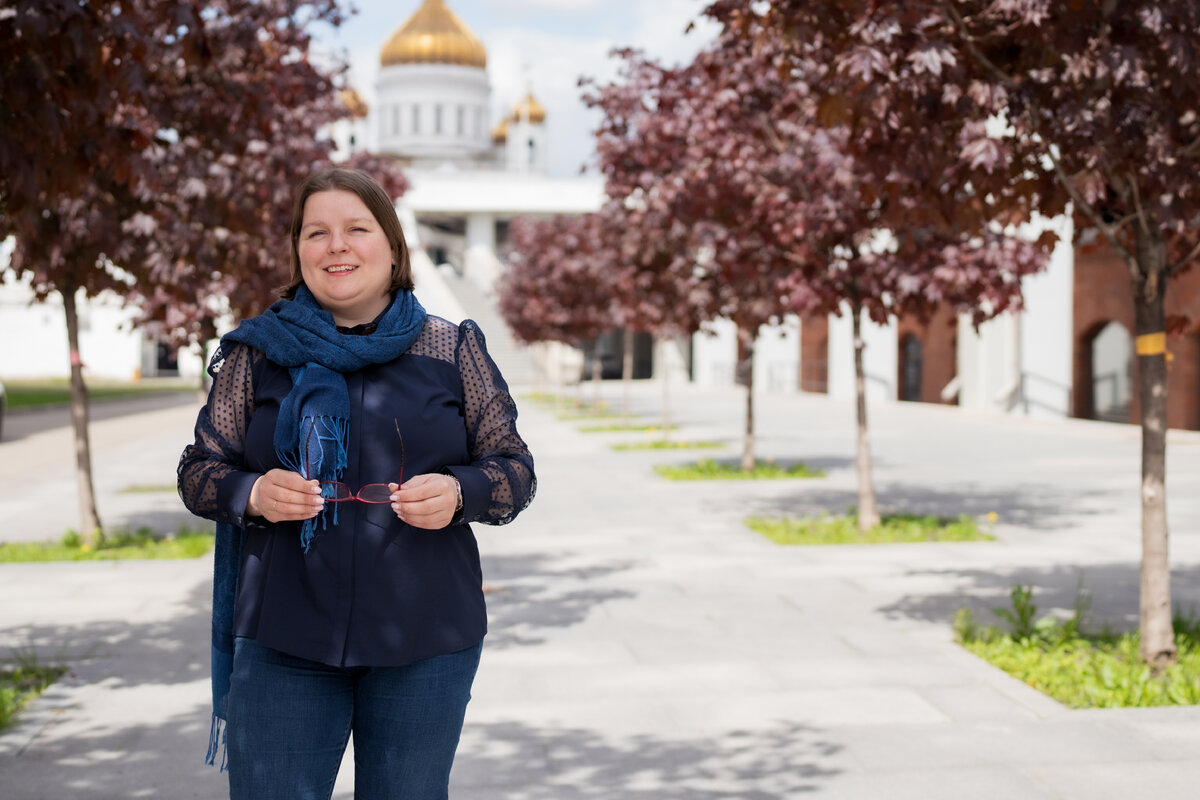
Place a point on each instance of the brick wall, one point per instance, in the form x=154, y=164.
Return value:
x=814, y=354
x=939, y=346
x=1102, y=294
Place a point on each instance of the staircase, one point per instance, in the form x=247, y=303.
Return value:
x=456, y=298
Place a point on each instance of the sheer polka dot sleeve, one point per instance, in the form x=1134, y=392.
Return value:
x=221, y=425
x=497, y=451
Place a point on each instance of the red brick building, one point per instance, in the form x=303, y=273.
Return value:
x=1103, y=366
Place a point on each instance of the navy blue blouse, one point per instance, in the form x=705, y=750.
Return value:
x=372, y=590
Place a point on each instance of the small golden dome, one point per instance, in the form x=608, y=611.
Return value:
x=530, y=106
x=500, y=132
x=353, y=101
x=434, y=35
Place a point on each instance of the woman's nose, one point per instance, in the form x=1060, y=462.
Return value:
x=336, y=242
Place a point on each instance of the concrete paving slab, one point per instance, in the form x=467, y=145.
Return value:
x=643, y=643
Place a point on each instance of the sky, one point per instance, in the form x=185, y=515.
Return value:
x=543, y=45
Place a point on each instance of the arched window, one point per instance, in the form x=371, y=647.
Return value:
x=1112, y=373
x=911, y=358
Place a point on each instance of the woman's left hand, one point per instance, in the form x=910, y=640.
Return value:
x=426, y=501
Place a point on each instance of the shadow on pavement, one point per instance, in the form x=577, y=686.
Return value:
x=528, y=596
x=1031, y=506
x=513, y=759
x=150, y=739
x=1112, y=590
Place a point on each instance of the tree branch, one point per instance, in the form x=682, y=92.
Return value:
x=1093, y=214
x=1182, y=263
x=984, y=61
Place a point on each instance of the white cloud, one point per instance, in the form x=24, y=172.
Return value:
x=558, y=6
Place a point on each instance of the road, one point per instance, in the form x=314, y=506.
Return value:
x=135, y=446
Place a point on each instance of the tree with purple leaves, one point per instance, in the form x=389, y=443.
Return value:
x=1085, y=107
x=559, y=282
x=766, y=210
x=150, y=148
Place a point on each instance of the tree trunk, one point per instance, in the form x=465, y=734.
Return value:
x=90, y=529
x=745, y=376
x=597, y=373
x=208, y=332
x=1157, y=632
x=666, y=387
x=868, y=513
x=626, y=374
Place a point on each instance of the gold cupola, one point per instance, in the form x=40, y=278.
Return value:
x=434, y=35
x=529, y=108
x=354, y=103
x=500, y=132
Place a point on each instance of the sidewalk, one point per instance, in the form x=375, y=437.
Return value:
x=644, y=644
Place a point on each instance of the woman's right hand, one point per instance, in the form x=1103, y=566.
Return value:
x=280, y=496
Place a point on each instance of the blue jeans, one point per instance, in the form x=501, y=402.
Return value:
x=290, y=720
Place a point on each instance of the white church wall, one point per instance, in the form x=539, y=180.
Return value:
x=1046, y=335
x=879, y=358
x=714, y=354
x=1022, y=362
x=406, y=117
x=777, y=356
x=34, y=336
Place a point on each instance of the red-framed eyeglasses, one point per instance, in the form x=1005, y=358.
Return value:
x=374, y=493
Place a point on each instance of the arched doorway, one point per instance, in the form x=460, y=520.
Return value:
x=1111, y=379
x=911, y=363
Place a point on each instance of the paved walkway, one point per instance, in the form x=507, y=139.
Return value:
x=644, y=644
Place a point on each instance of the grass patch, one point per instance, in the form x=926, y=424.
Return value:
x=636, y=428
x=21, y=684
x=707, y=469
x=893, y=528
x=149, y=488
x=659, y=444
x=120, y=545
x=1081, y=669
x=57, y=391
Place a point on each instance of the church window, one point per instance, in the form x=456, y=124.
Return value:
x=911, y=362
x=396, y=120
x=437, y=118
x=416, y=126
x=462, y=120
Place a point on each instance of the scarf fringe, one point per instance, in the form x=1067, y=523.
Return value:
x=331, y=435
x=218, y=740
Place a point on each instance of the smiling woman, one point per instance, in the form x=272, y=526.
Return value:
x=322, y=621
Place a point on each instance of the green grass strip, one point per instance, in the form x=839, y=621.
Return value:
x=1089, y=670
x=57, y=391
x=659, y=444
x=709, y=470
x=893, y=529
x=20, y=685
x=122, y=545
x=642, y=428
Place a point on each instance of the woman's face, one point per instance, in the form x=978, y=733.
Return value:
x=345, y=259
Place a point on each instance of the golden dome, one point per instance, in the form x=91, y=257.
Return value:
x=500, y=132
x=434, y=35
x=353, y=101
x=530, y=106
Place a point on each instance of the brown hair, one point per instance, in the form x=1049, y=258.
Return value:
x=376, y=201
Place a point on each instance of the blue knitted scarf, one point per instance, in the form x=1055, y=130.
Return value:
x=311, y=433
